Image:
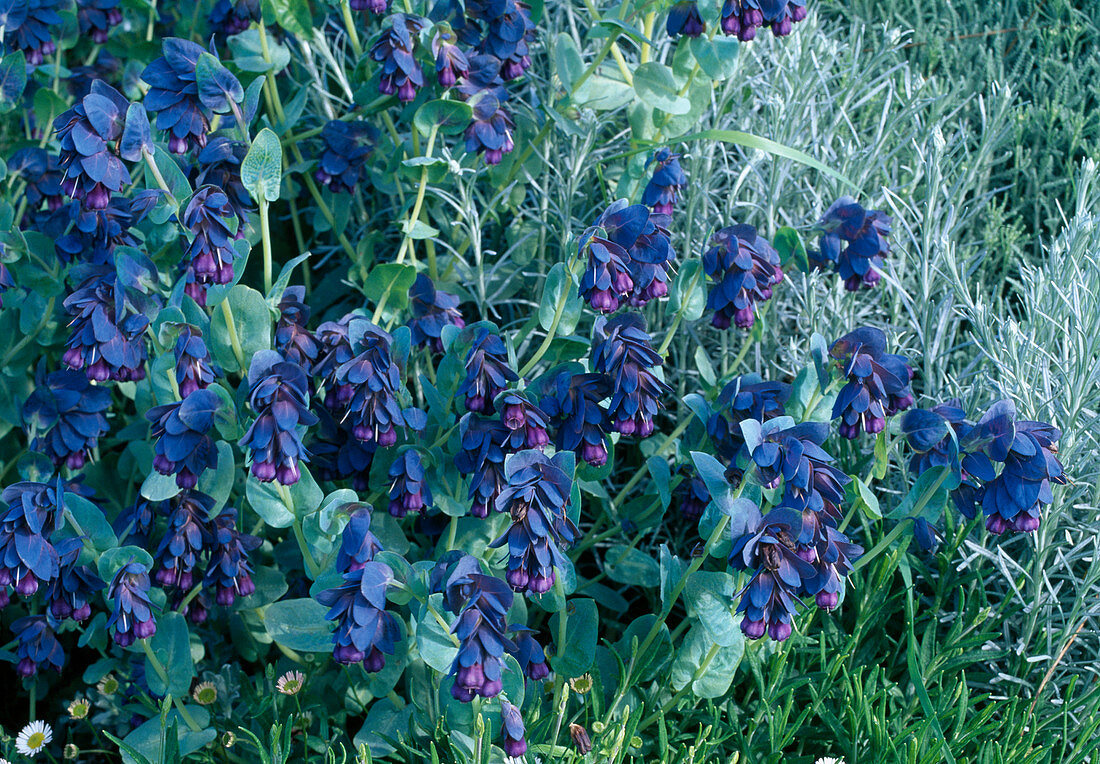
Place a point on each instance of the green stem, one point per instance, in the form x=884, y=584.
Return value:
x=353, y=34
x=299, y=533
x=151, y=163
x=898, y=529
x=452, y=532
x=559, y=309
x=234, y=339
x=158, y=667
x=265, y=233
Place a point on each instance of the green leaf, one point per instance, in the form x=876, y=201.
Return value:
x=567, y=61
x=148, y=740
x=92, y=522
x=603, y=93
x=648, y=664
x=218, y=482
x=578, y=653
x=158, y=487
x=857, y=489
x=418, y=229
x=266, y=501
x=395, y=278
x=248, y=53
x=717, y=58
x=790, y=247
x=662, y=477
x=275, y=296
x=292, y=15
x=13, y=78
x=713, y=679
x=262, y=168
x=384, y=722
x=559, y=286
x=218, y=88
x=748, y=140
x=433, y=640
x=703, y=364
x=299, y=624
x=657, y=87
x=252, y=320
x=110, y=561
x=709, y=598
x=688, y=292
x=173, y=176
x=448, y=117
x=628, y=565
x=172, y=646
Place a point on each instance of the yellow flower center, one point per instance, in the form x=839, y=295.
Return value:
x=36, y=740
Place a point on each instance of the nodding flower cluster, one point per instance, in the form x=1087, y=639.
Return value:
x=28, y=560
x=183, y=445
x=365, y=631
x=27, y=28
x=89, y=135
x=668, y=180
x=854, y=242
x=744, y=267
x=490, y=130
x=684, y=19
x=396, y=52
x=174, y=95
x=347, y=147
x=741, y=18
x=743, y=398
x=536, y=495
x=408, y=492
x=487, y=372
x=107, y=334
x=358, y=545
x=1012, y=499
x=877, y=382
x=624, y=354
x=65, y=417
x=484, y=445
x=132, y=614
x=795, y=550
x=432, y=310
x=279, y=394
x=628, y=255
x=213, y=225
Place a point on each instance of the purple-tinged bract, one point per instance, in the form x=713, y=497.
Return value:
x=107, y=336
x=358, y=545
x=219, y=165
x=484, y=447
x=525, y=421
x=174, y=95
x=231, y=17
x=27, y=26
x=624, y=354
x=451, y=64
x=90, y=165
x=70, y=594
x=668, y=179
x=186, y=538
x=854, y=241
x=481, y=603
x=132, y=614
x=229, y=572
x=97, y=17
x=212, y=222
x=487, y=372
x=491, y=127
x=741, y=399
x=292, y=337
x=395, y=50
x=365, y=632
x=65, y=417
x=342, y=165
x=628, y=254
x=27, y=558
x=408, y=490
x=684, y=19
x=37, y=646
x=193, y=369
x=581, y=422
x=432, y=310
x=511, y=726
x=182, y=431
x=744, y=268
x=878, y=382
x=279, y=394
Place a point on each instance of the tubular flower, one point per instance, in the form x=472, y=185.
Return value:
x=365, y=632
x=107, y=338
x=490, y=129
x=744, y=267
x=135, y=523
x=358, y=545
x=832, y=555
x=451, y=64
x=525, y=421
x=663, y=189
x=580, y=421
x=335, y=350
x=432, y=310
x=210, y=219
x=536, y=495
x=878, y=382
x=743, y=398
x=187, y=536
x=484, y=446
x=628, y=255
x=408, y=491
x=693, y=494
x=97, y=18
x=684, y=19
x=27, y=25
x=132, y=613
x=27, y=558
x=70, y=594
x=65, y=417
x=219, y=165
x=487, y=372
x=854, y=241
x=511, y=726
x=38, y=646
x=193, y=369
x=174, y=95
x=529, y=654
x=231, y=17
x=96, y=233
x=183, y=446
x=793, y=454
x=623, y=352
x=481, y=603
x=343, y=162
x=770, y=601
x=292, y=338
x=340, y=455
x=508, y=28
x=374, y=6
x=229, y=572
x=395, y=51
x=374, y=379
x=742, y=18
x=42, y=176
x=91, y=169
x=279, y=394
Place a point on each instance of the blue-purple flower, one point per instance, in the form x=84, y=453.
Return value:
x=183, y=444
x=623, y=352
x=743, y=398
x=27, y=26
x=484, y=447
x=744, y=267
x=490, y=129
x=628, y=254
x=374, y=6
x=193, y=369
x=741, y=18
x=365, y=631
x=525, y=421
x=134, y=524
x=27, y=558
x=184, y=541
x=792, y=454
x=487, y=372
x=481, y=603
x=693, y=494
x=408, y=490
x=66, y=417
x=41, y=174
x=536, y=496
x=395, y=50
x=343, y=161
x=668, y=179
x=231, y=17
x=358, y=545
x=432, y=310
x=292, y=337
x=580, y=421
x=335, y=350
x=90, y=166
x=174, y=95
x=132, y=614
x=70, y=594
x=451, y=64
x=854, y=241
x=219, y=165
x=229, y=571
x=684, y=19
x=279, y=394
x=97, y=17
x=529, y=654
x=878, y=382
x=339, y=455
x=511, y=727
x=770, y=600
x=107, y=336
x=37, y=646
x=212, y=222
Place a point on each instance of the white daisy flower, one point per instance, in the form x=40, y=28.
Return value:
x=33, y=738
x=829, y=760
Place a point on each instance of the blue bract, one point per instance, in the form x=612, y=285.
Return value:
x=358, y=545
x=229, y=571
x=107, y=338
x=97, y=17
x=70, y=594
x=623, y=352
x=481, y=603
x=743, y=398
x=132, y=613
x=400, y=72
x=27, y=24
x=174, y=95
x=490, y=129
x=525, y=421
x=742, y=18
x=487, y=372
x=878, y=382
x=65, y=417
x=27, y=558
x=212, y=222
x=431, y=311
x=279, y=394
x=292, y=337
x=628, y=256
x=684, y=19
x=88, y=134
x=38, y=646
x=744, y=267
x=183, y=446
x=508, y=28
x=343, y=162
x=581, y=423
x=365, y=632
x=408, y=491
x=485, y=443
x=668, y=180
x=854, y=241
x=193, y=369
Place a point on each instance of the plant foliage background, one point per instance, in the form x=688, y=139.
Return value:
x=301, y=216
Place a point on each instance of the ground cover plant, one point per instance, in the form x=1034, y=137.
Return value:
x=442, y=381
